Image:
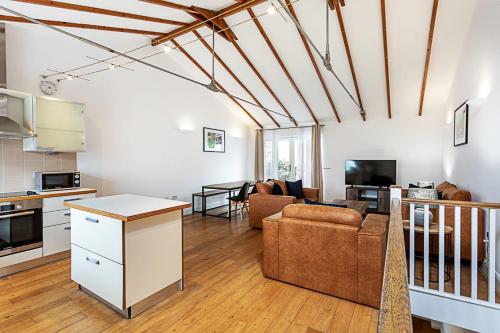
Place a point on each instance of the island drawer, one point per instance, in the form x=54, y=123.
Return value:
x=99, y=275
x=57, y=203
x=56, y=217
x=99, y=234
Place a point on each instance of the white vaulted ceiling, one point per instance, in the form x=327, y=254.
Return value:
x=407, y=29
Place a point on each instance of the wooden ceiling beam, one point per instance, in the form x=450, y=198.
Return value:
x=349, y=57
x=242, y=85
x=169, y=4
x=263, y=81
x=203, y=70
x=94, y=10
x=386, y=58
x=314, y=63
x=428, y=55
x=281, y=63
x=228, y=11
x=220, y=25
x=81, y=26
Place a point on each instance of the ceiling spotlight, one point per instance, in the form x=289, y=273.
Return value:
x=167, y=49
x=70, y=77
x=271, y=10
x=111, y=67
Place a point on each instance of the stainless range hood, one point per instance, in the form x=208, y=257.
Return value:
x=11, y=117
x=12, y=108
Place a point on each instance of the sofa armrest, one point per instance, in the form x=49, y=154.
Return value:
x=311, y=193
x=372, y=241
x=270, y=235
x=264, y=205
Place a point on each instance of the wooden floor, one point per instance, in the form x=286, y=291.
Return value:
x=225, y=292
x=449, y=286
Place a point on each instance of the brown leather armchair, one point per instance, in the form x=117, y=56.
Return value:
x=327, y=249
x=451, y=192
x=264, y=205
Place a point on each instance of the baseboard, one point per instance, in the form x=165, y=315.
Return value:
x=23, y=266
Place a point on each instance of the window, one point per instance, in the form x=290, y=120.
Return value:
x=287, y=154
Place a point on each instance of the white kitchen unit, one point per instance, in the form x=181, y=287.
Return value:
x=59, y=126
x=57, y=221
x=56, y=230
x=127, y=250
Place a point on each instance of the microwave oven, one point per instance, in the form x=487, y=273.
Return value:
x=60, y=180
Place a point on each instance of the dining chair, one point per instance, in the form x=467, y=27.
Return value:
x=241, y=198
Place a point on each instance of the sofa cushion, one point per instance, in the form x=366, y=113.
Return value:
x=282, y=185
x=345, y=216
x=264, y=187
x=295, y=189
x=277, y=190
x=456, y=194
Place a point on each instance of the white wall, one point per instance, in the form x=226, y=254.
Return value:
x=475, y=166
x=415, y=143
x=133, y=140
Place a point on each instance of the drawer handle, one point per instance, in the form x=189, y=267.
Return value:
x=89, y=219
x=75, y=199
x=67, y=228
x=92, y=260
x=67, y=214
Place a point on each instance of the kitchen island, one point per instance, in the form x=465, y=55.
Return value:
x=126, y=250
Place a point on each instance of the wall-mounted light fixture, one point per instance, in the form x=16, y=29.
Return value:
x=186, y=128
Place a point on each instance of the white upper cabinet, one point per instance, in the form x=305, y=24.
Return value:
x=59, y=126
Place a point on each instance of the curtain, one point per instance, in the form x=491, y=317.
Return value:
x=288, y=154
x=259, y=155
x=317, y=163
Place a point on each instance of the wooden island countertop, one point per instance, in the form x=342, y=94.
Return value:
x=127, y=207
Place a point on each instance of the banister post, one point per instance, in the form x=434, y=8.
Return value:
x=396, y=192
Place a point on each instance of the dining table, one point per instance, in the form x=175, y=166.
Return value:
x=230, y=187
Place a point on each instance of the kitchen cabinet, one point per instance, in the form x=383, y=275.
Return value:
x=59, y=126
x=57, y=223
x=127, y=250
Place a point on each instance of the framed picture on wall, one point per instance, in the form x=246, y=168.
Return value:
x=214, y=140
x=461, y=125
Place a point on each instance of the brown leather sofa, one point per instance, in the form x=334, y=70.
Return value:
x=451, y=192
x=265, y=204
x=327, y=249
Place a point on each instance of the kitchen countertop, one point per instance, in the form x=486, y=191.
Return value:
x=50, y=194
x=127, y=207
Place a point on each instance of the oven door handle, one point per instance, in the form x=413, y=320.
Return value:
x=17, y=214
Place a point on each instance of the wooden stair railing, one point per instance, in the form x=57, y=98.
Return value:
x=395, y=312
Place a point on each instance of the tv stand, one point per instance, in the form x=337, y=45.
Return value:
x=379, y=197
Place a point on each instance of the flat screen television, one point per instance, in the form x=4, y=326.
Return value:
x=370, y=172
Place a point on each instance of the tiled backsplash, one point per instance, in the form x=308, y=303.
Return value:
x=17, y=167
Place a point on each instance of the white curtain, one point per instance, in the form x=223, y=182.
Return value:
x=288, y=154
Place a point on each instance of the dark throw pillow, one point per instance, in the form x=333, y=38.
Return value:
x=429, y=187
x=277, y=190
x=312, y=202
x=295, y=189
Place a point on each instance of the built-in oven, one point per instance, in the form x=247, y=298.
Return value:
x=20, y=226
x=50, y=181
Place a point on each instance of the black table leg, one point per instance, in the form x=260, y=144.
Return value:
x=203, y=202
x=192, y=205
x=230, y=211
